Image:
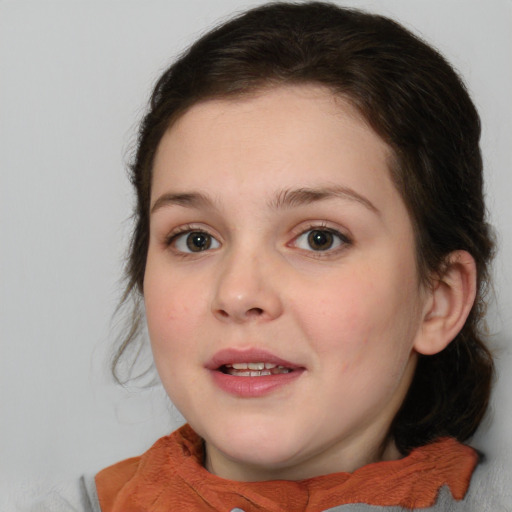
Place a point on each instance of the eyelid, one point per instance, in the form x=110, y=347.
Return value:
x=302, y=229
x=344, y=238
x=186, y=229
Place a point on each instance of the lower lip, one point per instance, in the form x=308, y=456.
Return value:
x=253, y=387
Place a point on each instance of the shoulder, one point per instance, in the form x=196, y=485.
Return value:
x=490, y=489
x=77, y=496
x=111, y=480
x=141, y=480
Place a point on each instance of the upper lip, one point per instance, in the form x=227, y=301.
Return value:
x=252, y=355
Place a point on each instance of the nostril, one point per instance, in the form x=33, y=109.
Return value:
x=240, y=315
x=254, y=312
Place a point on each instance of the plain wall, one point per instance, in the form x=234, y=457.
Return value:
x=74, y=80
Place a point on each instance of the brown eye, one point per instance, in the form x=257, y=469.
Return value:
x=198, y=241
x=194, y=242
x=320, y=240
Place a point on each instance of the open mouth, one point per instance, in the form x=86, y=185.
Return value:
x=253, y=369
x=252, y=373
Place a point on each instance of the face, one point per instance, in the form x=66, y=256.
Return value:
x=281, y=288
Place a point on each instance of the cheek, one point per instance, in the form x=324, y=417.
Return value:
x=366, y=314
x=172, y=319
x=172, y=312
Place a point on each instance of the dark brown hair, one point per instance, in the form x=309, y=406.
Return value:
x=417, y=103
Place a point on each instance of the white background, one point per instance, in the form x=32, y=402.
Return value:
x=74, y=80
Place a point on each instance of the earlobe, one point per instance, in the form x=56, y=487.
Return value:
x=449, y=303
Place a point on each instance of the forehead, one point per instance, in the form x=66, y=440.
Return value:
x=300, y=136
x=271, y=108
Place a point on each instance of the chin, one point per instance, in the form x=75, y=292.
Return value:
x=269, y=445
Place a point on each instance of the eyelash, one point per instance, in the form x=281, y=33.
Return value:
x=188, y=229
x=341, y=243
x=342, y=240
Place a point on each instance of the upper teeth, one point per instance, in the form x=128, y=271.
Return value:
x=253, y=366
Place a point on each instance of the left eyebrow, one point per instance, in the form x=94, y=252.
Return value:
x=297, y=197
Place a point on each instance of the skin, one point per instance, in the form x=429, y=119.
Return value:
x=352, y=316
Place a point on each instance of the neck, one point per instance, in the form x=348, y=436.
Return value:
x=333, y=460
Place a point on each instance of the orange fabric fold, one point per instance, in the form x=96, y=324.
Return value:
x=170, y=476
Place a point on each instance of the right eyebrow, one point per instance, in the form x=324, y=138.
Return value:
x=191, y=200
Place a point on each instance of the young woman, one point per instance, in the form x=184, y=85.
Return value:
x=311, y=254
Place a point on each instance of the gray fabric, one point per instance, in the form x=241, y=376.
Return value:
x=79, y=496
x=89, y=495
x=445, y=503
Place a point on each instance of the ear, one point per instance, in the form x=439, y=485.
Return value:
x=448, y=304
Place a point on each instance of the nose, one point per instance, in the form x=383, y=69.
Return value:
x=247, y=290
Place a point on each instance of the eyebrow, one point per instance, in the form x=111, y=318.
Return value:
x=288, y=198
x=296, y=197
x=190, y=200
